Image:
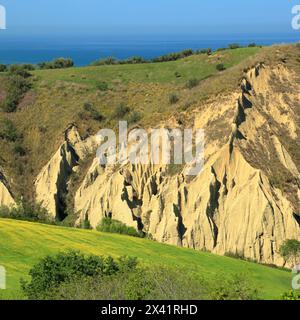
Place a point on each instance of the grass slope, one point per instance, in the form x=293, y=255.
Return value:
x=24, y=243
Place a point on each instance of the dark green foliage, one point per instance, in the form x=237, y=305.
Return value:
x=18, y=85
x=27, y=211
x=177, y=74
x=102, y=86
x=89, y=112
x=192, y=83
x=174, y=56
x=133, y=60
x=21, y=70
x=71, y=276
x=3, y=68
x=291, y=295
x=236, y=288
x=173, y=98
x=134, y=117
x=60, y=63
x=114, y=226
x=19, y=149
x=67, y=267
x=220, y=67
x=8, y=131
x=252, y=45
x=204, y=51
x=290, y=251
x=121, y=111
x=105, y=61
x=234, y=46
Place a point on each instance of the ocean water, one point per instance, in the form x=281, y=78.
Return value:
x=85, y=49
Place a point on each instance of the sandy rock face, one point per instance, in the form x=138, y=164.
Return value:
x=51, y=184
x=6, y=198
x=230, y=207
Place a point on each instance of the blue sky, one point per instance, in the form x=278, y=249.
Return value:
x=218, y=16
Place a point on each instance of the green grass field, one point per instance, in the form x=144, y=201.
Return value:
x=196, y=66
x=24, y=243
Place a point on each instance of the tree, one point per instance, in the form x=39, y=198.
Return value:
x=220, y=67
x=290, y=251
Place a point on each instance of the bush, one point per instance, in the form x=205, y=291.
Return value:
x=115, y=226
x=105, y=61
x=134, y=117
x=237, y=287
x=204, y=51
x=21, y=70
x=290, y=251
x=8, y=131
x=3, y=68
x=66, y=267
x=91, y=112
x=60, y=63
x=27, y=211
x=234, y=46
x=120, y=111
x=18, y=85
x=220, y=67
x=102, y=86
x=173, y=98
x=19, y=149
x=152, y=283
x=252, y=45
x=192, y=83
x=291, y=295
x=174, y=56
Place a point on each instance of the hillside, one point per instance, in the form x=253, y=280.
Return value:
x=24, y=243
x=244, y=202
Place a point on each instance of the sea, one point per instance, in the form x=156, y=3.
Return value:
x=85, y=48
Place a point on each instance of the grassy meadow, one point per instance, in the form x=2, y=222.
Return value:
x=24, y=243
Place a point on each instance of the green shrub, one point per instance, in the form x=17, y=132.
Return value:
x=173, y=98
x=19, y=149
x=174, y=56
x=120, y=111
x=220, y=67
x=115, y=226
x=59, y=63
x=237, y=287
x=291, y=295
x=134, y=117
x=102, y=86
x=105, y=61
x=8, y=131
x=21, y=70
x=27, y=211
x=18, y=85
x=192, y=83
x=177, y=74
x=290, y=251
x=3, y=68
x=234, y=46
x=204, y=51
x=90, y=112
x=252, y=45
x=66, y=267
